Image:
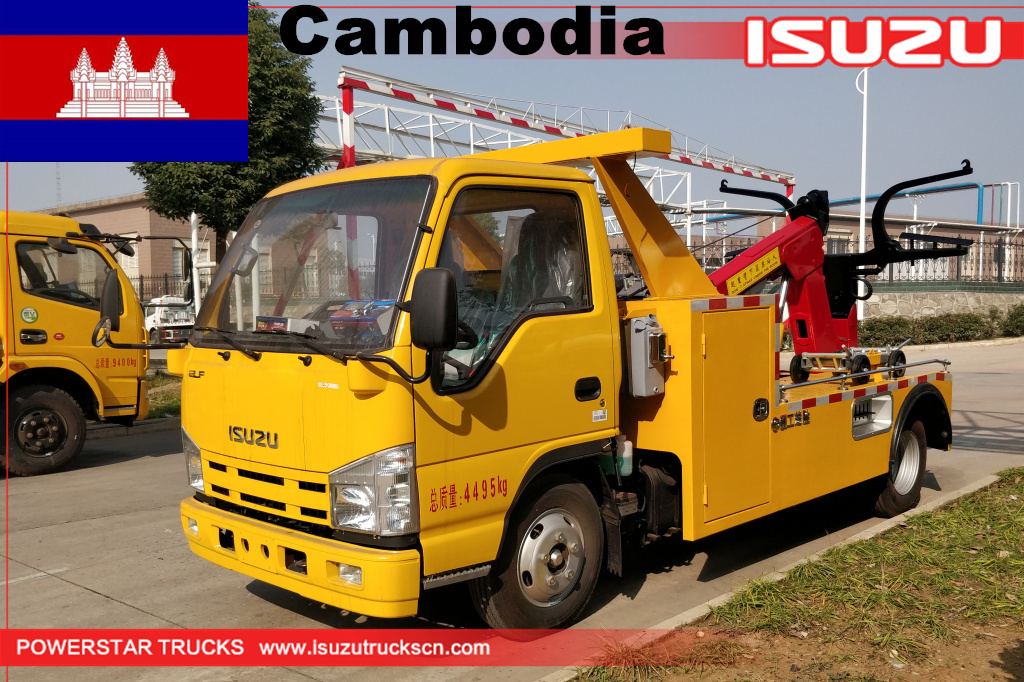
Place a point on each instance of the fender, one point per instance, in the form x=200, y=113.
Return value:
x=926, y=403
x=544, y=464
x=65, y=363
x=573, y=454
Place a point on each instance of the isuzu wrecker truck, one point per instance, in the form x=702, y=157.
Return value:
x=414, y=373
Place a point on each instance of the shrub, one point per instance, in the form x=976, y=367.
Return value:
x=945, y=328
x=1013, y=323
x=886, y=330
x=951, y=327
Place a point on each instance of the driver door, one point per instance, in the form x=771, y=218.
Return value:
x=55, y=307
x=536, y=325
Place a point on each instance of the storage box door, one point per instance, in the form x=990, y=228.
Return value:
x=737, y=365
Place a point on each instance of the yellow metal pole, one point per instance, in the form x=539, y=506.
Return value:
x=668, y=267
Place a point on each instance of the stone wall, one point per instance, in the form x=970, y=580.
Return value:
x=924, y=303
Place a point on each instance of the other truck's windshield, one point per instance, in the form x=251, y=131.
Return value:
x=328, y=263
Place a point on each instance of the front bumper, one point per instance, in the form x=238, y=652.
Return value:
x=391, y=579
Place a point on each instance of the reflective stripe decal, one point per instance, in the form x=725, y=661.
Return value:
x=798, y=405
x=731, y=302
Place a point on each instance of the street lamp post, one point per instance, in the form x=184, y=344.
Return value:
x=863, y=179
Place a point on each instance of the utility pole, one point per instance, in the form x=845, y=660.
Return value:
x=863, y=180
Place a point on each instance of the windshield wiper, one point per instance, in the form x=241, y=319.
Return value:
x=311, y=343
x=225, y=335
x=307, y=341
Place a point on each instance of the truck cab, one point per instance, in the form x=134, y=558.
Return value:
x=56, y=378
x=168, y=319
x=415, y=373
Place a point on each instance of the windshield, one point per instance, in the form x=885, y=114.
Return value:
x=328, y=262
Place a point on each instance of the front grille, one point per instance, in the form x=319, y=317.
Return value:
x=276, y=480
x=262, y=501
x=287, y=500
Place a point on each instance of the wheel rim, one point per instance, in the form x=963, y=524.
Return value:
x=905, y=466
x=550, y=557
x=41, y=432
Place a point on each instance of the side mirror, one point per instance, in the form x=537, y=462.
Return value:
x=434, y=310
x=122, y=246
x=62, y=245
x=110, y=300
x=246, y=262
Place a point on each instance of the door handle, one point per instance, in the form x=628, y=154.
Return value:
x=33, y=336
x=588, y=388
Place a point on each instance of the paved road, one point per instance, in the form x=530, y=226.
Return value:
x=100, y=546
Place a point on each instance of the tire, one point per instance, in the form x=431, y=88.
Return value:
x=859, y=363
x=796, y=370
x=47, y=430
x=907, y=462
x=154, y=336
x=896, y=358
x=558, y=514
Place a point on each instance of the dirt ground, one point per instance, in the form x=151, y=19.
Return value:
x=984, y=653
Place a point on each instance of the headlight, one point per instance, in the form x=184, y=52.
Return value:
x=193, y=462
x=377, y=494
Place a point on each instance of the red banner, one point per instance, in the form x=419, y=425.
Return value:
x=314, y=647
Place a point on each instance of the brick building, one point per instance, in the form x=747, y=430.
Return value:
x=156, y=267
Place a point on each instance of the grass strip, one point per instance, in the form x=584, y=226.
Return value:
x=922, y=581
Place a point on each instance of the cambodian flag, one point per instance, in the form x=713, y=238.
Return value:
x=123, y=80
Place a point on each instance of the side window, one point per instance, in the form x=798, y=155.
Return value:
x=75, y=278
x=514, y=253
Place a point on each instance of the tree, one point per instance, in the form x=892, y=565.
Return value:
x=282, y=142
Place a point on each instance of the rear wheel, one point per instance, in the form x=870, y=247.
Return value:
x=547, y=570
x=907, y=462
x=47, y=430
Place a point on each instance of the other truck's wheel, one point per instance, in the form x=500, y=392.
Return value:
x=47, y=430
x=796, y=370
x=154, y=336
x=907, y=461
x=547, y=570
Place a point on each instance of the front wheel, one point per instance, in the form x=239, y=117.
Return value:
x=47, y=430
x=907, y=462
x=547, y=570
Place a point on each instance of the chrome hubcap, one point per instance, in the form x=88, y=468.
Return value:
x=904, y=468
x=41, y=432
x=550, y=557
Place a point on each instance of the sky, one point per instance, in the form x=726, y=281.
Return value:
x=805, y=121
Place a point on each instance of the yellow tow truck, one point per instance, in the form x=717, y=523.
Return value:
x=415, y=373
x=55, y=377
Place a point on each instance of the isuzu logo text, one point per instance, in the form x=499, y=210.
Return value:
x=921, y=42
x=262, y=439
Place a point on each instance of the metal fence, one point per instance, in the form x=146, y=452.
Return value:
x=994, y=260
x=153, y=286
x=991, y=260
